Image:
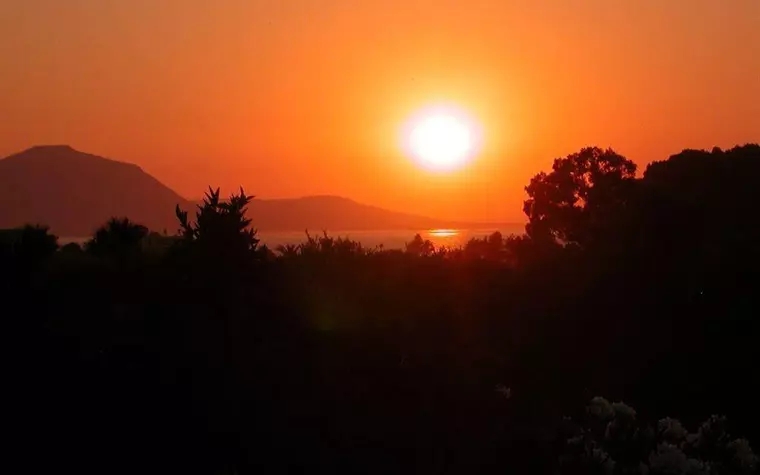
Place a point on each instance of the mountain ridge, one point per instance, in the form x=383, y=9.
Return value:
x=341, y=213
x=74, y=192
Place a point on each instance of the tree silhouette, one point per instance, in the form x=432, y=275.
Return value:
x=693, y=189
x=576, y=202
x=198, y=358
x=490, y=248
x=420, y=247
x=30, y=245
x=288, y=250
x=119, y=238
x=221, y=233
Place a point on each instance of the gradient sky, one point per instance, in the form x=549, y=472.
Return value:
x=298, y=97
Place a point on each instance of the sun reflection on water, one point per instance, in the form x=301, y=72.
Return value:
x=444, y=237
x=443, y=232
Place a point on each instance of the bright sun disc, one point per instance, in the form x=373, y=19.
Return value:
x=441, y=139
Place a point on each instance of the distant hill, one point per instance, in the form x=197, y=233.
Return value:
x=318, y=213
x=75, y=192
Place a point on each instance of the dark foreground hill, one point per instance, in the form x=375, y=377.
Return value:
x=75, y=192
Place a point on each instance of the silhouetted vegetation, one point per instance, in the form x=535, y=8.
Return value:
x=610, y=438
x=118, y=238
x=207, y=353
x=220, y=237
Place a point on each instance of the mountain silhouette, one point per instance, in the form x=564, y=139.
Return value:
x=75, y=192
x=318, y=213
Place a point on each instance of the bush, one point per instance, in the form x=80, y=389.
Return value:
x=610, y=439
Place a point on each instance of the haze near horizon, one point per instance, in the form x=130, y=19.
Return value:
x=294, y=98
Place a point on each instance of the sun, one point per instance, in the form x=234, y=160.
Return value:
x=441, y=138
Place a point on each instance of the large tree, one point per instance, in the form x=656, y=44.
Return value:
x=700, y=210
x=580, y=199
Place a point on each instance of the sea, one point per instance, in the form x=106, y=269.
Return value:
x=385, y=239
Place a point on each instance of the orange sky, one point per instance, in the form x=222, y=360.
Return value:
x=298, y=97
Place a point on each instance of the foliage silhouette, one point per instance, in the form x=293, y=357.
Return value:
x=71, y=248
x=420, y=247
x=119, y=239
x=209, y=353
x=28, y=246
x=580, y=199
x=610, y=439
x=221, y=235
x=328, y=245
x=491, y=248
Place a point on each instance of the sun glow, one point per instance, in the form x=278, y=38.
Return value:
x=441, y=138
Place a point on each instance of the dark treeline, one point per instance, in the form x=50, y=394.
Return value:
x=207, y=353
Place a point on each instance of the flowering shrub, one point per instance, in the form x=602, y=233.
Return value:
x=611, y=440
